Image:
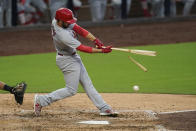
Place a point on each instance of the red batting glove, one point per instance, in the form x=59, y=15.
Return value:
x=98, y=43
x=107, y=49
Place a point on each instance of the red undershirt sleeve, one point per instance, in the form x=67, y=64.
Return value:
x=81, y=31
x=84, y=48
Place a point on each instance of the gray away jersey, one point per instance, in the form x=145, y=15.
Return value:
x=63, y=39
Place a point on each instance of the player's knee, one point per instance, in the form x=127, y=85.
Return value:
x=72, y=91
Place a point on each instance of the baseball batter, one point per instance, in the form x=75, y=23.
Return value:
x=64, y=29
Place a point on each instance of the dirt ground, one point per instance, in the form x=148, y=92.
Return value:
x=137, y=111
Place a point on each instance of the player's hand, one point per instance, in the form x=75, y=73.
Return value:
x=98, y=43
x=106, y=49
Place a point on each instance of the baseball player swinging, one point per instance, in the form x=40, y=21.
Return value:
x=64, y=28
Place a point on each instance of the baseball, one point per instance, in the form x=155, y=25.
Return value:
x=135, y=87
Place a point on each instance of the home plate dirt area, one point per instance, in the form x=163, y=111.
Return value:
x=136, y=112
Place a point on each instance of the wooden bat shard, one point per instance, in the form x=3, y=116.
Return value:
x=138, y=64
x=140, y=52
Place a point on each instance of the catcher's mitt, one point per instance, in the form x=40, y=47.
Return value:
x=19, y=91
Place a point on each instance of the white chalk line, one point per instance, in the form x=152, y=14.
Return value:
x=172, y=112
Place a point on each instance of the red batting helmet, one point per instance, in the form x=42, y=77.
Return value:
x=65, y=15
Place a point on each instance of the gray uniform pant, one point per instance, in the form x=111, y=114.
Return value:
x=6, y=5
x=158, y=8
x=98, y=8
x=117, y=8
x=187, y=7
x=74, y=72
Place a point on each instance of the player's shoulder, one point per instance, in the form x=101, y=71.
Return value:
x=54, y=22
x=71, y=26
x=55, y=26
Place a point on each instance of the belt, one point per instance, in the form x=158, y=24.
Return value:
x=63, y=55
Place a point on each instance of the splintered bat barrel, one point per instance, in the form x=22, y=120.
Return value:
x=140, y=52
x=138, y=64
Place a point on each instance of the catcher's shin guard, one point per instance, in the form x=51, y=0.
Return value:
x=19, y=91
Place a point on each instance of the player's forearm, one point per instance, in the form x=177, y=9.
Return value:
x=91, y=37
x=84, y=33
x=95, y=50
x=88, y=49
